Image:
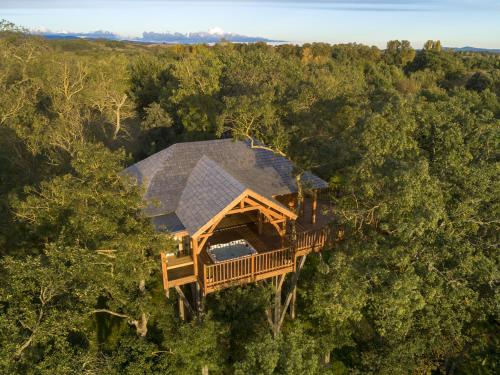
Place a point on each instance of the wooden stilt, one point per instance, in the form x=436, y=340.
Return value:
x=293, y=286
x=182, y=311
x=204, y=370
x=202, y=302
x=293, y=302
x=199, y=297
x=277, y=306
x=194, y=247
x=164, y=272
x=195, y=291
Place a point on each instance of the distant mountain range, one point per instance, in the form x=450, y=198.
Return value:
x=203, y=37
x=212, y=36
x=474, y=49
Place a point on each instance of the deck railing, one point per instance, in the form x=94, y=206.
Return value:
x=250, y=267
x=256, y=266
x=312, y=239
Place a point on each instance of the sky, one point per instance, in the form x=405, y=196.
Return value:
x=456, y=23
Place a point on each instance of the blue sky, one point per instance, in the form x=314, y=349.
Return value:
x=455, y=22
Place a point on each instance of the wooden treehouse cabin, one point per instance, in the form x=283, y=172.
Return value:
x=235, y=213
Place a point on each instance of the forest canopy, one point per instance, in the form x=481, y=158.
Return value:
x=407, y=139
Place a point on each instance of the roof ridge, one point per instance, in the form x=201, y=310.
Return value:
x=205, y=141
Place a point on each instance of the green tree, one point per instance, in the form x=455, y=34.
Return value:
x=399, y=53
x=479, y=82
x=408, y=141
x=45, y=314
x=197, y=78
x=433, y=45
x=156, y=117
x=68, y=209
x=110, y=89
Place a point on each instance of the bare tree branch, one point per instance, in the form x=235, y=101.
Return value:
x=110, y=313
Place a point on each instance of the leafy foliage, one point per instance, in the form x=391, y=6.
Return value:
x=407, y=139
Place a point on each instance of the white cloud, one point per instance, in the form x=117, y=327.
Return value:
x=216, y=31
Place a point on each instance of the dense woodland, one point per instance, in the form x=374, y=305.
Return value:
x=407, y=139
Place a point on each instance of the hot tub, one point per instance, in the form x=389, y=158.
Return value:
x=230, y=250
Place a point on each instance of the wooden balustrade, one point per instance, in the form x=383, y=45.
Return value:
x=311, y=240
x=262, y=265
x=181, y=270
x=246, y=269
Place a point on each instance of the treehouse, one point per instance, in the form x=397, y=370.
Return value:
x=235, y=212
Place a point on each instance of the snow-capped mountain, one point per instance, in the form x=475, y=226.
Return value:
x=213, y=35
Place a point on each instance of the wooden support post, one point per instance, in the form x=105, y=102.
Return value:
x=164, y=272
x=204, y=370
x=203, y=300
x=182, y=312
x=199, y=298
x=277, y=303
x=260, y=222
x=293, y=303
x=194, y=247
x=195, y=291
x=302, y=205
x=314, y=206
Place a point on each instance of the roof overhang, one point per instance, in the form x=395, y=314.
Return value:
x=263, y=201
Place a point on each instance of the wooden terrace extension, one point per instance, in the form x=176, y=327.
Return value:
x=262, y=265
x=277, y=252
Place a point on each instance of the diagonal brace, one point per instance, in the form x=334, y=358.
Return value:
x=290, y=293
x=185, y=300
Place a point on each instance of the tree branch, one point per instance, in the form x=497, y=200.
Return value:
x=110, y=313
x=252, y=145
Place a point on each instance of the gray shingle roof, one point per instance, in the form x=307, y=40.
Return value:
x=169, y=222
x=195, y=179
x=209, y=189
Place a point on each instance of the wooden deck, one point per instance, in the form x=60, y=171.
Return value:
x=248, y=269
x=275, y=256
x=271, y=260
